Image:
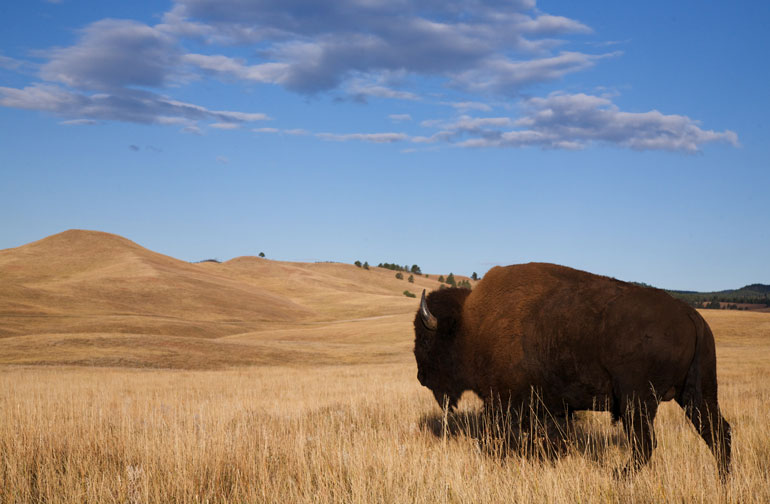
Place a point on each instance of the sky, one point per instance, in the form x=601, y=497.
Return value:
x=625, y=139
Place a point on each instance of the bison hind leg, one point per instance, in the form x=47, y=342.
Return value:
x=715, y=431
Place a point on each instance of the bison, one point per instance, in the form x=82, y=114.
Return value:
x=578, y=341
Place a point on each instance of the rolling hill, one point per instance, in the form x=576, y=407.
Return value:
x=755, y=297
x=94, y=298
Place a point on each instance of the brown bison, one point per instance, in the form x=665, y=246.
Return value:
x=580, y=342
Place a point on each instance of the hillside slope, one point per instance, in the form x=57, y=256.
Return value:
x=88, y=297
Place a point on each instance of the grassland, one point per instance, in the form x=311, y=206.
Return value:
x=322, y=406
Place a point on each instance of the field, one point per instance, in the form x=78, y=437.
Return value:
x=98, y=405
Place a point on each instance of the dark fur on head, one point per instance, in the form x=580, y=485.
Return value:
x=437, y=365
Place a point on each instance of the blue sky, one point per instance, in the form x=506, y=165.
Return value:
x=627, y=140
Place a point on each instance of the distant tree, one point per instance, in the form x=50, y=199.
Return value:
x=416, y=269
x=400, y=275
x=464, y=284
x=394, y=267
x=427, y=276
x=411, y=279
x=261, y=254
x=451, y=280
x=441, y=278
x=474, y=276
x=357, y=263
x=713, y=305
x=366, y=265
x=409, y=294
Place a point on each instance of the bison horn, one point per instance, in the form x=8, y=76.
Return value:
x=427, y=317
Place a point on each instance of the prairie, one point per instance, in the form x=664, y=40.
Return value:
x=311, y=398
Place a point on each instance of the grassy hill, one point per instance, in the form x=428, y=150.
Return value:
x=93, y=298
x=752, y=297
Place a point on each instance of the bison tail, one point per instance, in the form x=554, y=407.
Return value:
x=691, y=394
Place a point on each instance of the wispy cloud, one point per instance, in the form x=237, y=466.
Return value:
x=381, y=138
x=361, y=91
x=79, y=122
x=127, y=105
x=575, y=121
x=272, y=73
x=364, y=137
x=505, y=76
x=470, y=105
x=106, y=74
x=400, y=117
x=14, y=64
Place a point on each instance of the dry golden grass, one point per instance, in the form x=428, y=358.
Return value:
x=314, y=402
x=355, y=433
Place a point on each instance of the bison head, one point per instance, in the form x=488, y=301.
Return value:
x=436, y=327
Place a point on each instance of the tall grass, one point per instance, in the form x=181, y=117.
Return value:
x=337, y=434
x=359, y=433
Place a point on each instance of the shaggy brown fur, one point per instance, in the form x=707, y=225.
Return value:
x=580, y=342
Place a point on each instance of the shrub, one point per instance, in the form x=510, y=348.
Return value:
x=357, y=263
x=261, y=254
x=441, y=278
x=409, y=294
x=399, y=275
x=366, y=265
x=411, y=278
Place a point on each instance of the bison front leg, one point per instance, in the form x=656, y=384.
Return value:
x=638, y=418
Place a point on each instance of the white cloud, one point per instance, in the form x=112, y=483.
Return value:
x=546, y=24
x=224, y=126
x=14, y=64
x=114, y=53
x=400, y=117
x=470, y=105
x=272, y=73
x=79, y=122
x=361, y=92
x=125, y=105
x=468, y=123
x=192, y=129
x=364, y=137
x=311, y=47
x=575, y=121
x=504, y=76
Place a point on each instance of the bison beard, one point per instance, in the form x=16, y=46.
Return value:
x=578, y=341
